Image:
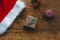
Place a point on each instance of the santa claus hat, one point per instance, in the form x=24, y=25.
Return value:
x=9, y=10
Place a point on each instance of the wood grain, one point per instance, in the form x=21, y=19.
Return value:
x=45, y=30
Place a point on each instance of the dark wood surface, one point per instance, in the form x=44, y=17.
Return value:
x=45, y=30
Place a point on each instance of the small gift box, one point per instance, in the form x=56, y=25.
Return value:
x=30, y=23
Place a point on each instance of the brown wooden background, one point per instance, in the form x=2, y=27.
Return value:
x=45, y=30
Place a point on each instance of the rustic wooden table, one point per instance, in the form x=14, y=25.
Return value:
x=45, y=30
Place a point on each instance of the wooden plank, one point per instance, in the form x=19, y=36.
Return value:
x=16, y=32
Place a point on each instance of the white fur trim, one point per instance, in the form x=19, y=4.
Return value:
x=8, y=20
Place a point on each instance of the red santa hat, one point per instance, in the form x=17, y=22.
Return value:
x=9, y=10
